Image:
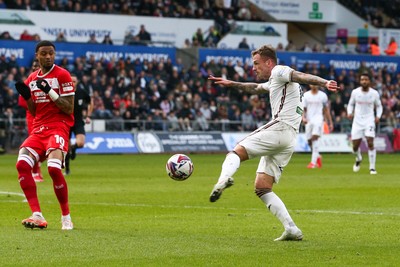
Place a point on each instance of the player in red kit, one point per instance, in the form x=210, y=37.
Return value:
x=36, y=171
x=49, y=93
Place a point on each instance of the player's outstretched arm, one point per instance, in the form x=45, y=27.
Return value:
x=305, y=78
x=251, y=88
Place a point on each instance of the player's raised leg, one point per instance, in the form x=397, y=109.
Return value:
x=229, y=167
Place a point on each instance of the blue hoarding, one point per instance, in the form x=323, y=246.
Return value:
x=25, y=51
x=298, y=59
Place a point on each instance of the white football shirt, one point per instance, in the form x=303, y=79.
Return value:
x=314, y=103
x=285, y=96
x=363, y=105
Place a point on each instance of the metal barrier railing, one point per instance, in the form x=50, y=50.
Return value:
x=13, y=131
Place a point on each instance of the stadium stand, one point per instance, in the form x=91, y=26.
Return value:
x=379, y=13
x=158, y=95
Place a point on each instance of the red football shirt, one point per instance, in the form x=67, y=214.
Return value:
x=47, y=112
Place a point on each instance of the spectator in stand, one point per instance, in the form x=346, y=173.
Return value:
x=280, y=47
x=42, y=6
x=222, y=24
x=374, y=48
x=244, y=11
x=144, y=35
x=107, y=40
x=307, y=48
x=185, y=117
x=173, y=121
x=25, y=36
x=317, y=48
x=391, y=50
x=6, y=36
x=339, y=47
x=198, y=37
x=61, y=37
x=243, y=44
x=247, y=118
x=213, y=37
x=291, y=46
x=92, y=39
x=36, y=37
x=187, y=43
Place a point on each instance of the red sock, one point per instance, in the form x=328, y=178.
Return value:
x=27, y=183
x=59, y=184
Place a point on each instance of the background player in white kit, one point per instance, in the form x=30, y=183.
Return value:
x=363, y=102
x=316, y=108
x=275, y=141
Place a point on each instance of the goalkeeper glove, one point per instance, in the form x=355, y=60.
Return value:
x=23, y=90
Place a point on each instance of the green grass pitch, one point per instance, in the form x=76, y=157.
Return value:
x=128, y=212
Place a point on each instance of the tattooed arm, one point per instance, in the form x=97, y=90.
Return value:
x=251, y=88
x=66, y=104
x=305, y=78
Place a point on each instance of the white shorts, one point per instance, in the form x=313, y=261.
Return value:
x=313, y=128
x=358, y=131
x=274, y=143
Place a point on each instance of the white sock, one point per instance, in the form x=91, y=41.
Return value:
x=315, y=151
x=37, y=213
x=358, y=154
x=372, y=158
x=66, y=217
x=229, y=167
x=277, y=208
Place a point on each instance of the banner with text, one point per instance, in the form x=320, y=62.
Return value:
x=25, y=51
x=77, y=27
x=320, y=11
x=153, y=142
x=108, y=143
x=298, y=59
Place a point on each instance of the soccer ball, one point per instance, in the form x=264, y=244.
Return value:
x=179, y=167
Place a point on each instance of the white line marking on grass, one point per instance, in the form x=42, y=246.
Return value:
x=233, y=208
x=339, y=212
x=13, y=194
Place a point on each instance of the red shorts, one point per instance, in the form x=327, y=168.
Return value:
x=44, y=139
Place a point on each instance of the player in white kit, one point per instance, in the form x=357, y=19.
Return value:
x=316, y=108
x=275, y=141
x=363, y=103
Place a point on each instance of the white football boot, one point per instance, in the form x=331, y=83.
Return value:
x=219, y=188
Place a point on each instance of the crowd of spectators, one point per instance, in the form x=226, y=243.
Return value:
x=379, y=13
x=159, y=95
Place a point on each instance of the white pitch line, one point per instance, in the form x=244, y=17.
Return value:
x=339, y=212
x=233, y=208
x=13, y=194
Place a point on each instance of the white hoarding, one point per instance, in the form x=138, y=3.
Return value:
x=321, y=11
x=77, y=27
